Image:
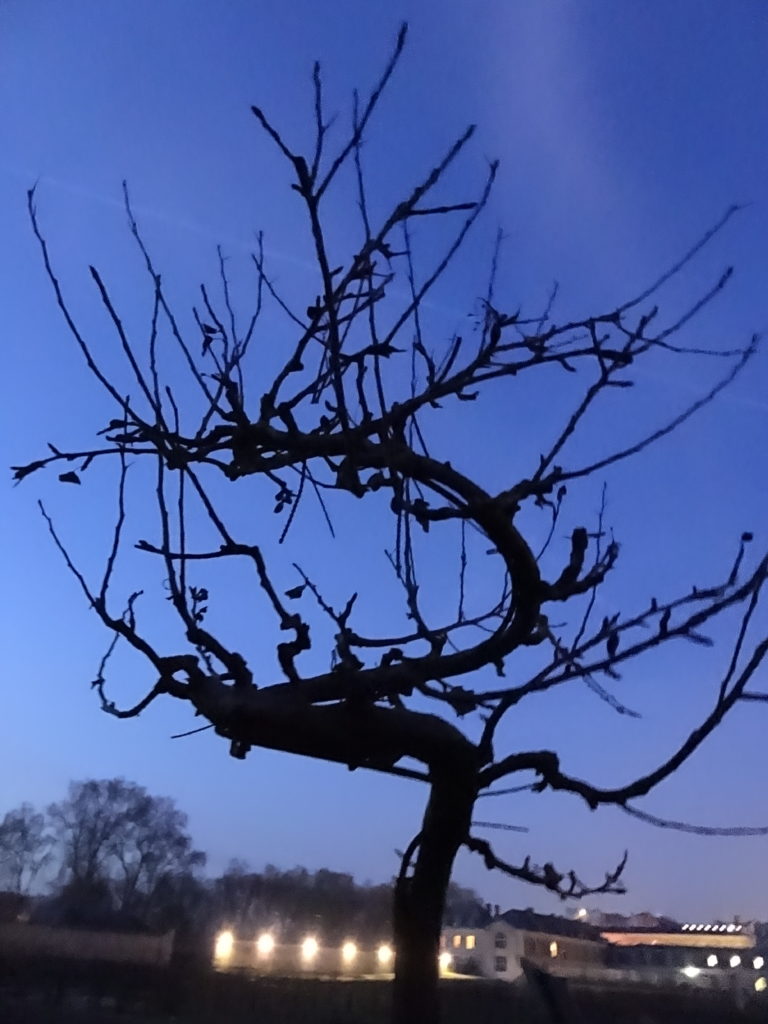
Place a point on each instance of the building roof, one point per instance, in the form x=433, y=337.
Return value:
x=688, y=940
x=551, y=924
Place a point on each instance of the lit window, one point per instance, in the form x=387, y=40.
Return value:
x=456, y=941
x=500, y=963
x=471, y=943
x=553, y=949
x=501, y=940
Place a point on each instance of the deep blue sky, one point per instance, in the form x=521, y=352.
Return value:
x=623, y=131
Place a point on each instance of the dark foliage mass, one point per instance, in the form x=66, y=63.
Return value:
x=347, y=417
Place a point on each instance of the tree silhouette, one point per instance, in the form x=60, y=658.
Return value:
x=113, y=834
x=25, y=847
x=346, y=417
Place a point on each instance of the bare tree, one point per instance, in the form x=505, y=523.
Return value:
x=25, y=847
x=347, y=416
x=151, y=844
x=113, y=833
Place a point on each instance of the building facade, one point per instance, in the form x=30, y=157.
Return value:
x=499, y=950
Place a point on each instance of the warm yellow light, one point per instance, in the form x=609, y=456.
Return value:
x=691, y=972
x=470, y=942
x=265, y=944
x=711, y=960
x=553, y=949
x=758, y=962
x=309, y=948
x=456, y=941
x=761, y=985
x=735, y=961
x=444, y=961
x=384, y=954
x=348, y=952
x=225, y=942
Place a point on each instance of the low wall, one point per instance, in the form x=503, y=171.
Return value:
x=33, y=940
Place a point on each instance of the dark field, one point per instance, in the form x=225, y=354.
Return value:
x=74, y=993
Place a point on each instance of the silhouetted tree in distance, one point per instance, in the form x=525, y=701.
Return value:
x=347, y=417
x=25, y=847
x=116, y=837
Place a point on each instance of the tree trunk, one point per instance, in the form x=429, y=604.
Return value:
x=420, y=898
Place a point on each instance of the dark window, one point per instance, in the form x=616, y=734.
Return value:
x=500, y=963
x=501, y=940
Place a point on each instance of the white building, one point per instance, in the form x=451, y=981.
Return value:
x=559, y=946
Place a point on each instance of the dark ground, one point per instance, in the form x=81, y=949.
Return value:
x=73, y=993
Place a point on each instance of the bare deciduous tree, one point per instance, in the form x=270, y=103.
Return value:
x=346, y=417
x=113, y=833
x=25, y=847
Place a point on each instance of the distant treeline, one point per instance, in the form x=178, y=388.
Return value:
x=121, y=858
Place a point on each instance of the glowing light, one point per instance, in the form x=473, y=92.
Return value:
x=309, y=948
x=470, y=942
x=582, y=913
x=761, y=985
x=707, y=927
x=738, y=927
x=456, y=941
x=731, y=928
x=711, y=960
x=691, y=972
x=348, y=952
x=553, y=949
x=265, y=944
x=445, y=961
x=758, y=963
x=685, y=927
x=225, y=943
x=699, y=927
x=735, y=961
x=384, y=954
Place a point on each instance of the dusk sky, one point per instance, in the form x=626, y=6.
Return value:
x=624, y=130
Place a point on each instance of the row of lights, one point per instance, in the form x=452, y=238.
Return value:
x=265, y=944
x=735, y=961
x=760, y=983
x=711, y=927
